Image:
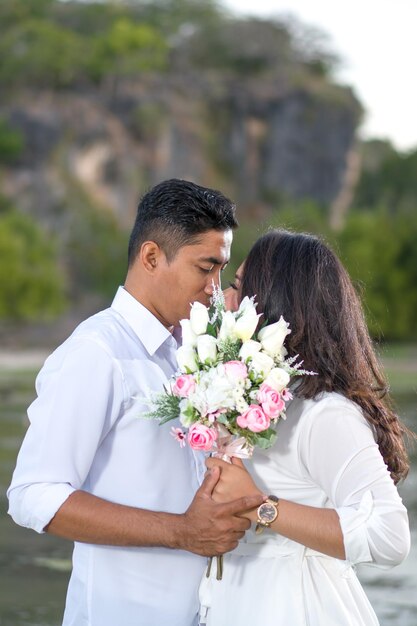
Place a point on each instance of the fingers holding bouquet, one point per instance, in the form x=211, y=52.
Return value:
x=235, y=482
x=213, y=527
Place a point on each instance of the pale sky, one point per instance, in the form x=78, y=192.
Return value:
x=377, y=40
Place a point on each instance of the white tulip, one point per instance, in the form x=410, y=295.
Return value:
x=246, y=320
x=227, y=326
x=249, y=348
x=246, y=303
x=261, y=363
x=272, y=337
x=199, y=318
x=187, y=359
x=278, y=379
x=206, y=348
x=189, y=338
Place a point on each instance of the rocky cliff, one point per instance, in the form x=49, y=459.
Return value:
x=260, y=141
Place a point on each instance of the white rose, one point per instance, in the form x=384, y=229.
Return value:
x=262, y=363
x=206, y=348
x=227, y=326
x=220, y=395
x=189, y=338
x=198, y=401
x=246, y=320
x=199, y=318
x=249, y=348
x=278, y=379
x=187, y=359
x=213, y=392
x=272, y=337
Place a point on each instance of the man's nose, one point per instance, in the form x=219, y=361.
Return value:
x=214, y=281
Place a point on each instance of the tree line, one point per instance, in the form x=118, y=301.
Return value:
x=377, y=245
x=65, y=44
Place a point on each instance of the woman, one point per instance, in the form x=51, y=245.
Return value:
x=333, y=468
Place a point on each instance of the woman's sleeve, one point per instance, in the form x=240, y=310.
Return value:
x=339, y=453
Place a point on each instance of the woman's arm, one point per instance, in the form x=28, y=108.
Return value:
x=315, y=528
x=337, y=451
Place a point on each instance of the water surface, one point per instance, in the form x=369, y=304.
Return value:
x=34, y=569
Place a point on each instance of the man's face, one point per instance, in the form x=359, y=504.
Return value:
x=190, y=275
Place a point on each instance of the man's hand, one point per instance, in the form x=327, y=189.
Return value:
x=210, y=528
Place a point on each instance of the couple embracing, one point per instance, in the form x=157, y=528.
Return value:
x=145, y=513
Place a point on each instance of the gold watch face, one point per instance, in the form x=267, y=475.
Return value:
x=267, y=513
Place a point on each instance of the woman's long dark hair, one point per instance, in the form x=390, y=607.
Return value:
x=297, y=276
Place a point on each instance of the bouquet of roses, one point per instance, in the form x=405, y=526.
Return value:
x=231, y=388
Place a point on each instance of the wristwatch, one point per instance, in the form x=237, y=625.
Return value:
x=267, y=513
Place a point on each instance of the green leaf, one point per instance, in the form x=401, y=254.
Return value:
x=229, y=349
x=222, y=419
x=211, y=330
x=266, y=439
x=166, y=408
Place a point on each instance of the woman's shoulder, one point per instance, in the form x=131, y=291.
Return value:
x=332, y=424
x=329, y=408
x=331, y=400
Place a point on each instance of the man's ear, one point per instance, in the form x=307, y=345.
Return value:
x=150, y=256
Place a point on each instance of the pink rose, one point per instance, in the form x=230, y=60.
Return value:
x=270, y=400
x=183, y=386
x=254, y=419
x=201, y=438
x=236, y=370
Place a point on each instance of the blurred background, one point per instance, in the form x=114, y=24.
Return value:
x=101, y=100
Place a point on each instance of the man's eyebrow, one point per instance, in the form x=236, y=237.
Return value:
x=213, y=260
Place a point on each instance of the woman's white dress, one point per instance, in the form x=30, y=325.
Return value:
x=325, y=456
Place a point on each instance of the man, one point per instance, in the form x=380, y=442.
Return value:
x=91, y=470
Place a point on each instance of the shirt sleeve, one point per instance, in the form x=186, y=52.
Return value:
x=80, y=395
x=338, y=451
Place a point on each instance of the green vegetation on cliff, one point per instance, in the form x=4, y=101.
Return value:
x=11, y=143
x=32, y=285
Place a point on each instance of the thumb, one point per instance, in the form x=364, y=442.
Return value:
x=238, y=462
x=211, y=479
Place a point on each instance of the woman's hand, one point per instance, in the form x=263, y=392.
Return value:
x=235, y=482
x=316, y=528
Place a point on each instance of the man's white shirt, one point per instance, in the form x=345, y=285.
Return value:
x=87, y=431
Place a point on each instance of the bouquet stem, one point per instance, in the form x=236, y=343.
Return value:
x=219, y=563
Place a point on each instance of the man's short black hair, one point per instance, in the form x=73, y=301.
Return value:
x=175, y=212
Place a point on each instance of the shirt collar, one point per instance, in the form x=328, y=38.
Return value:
x=145, y=325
